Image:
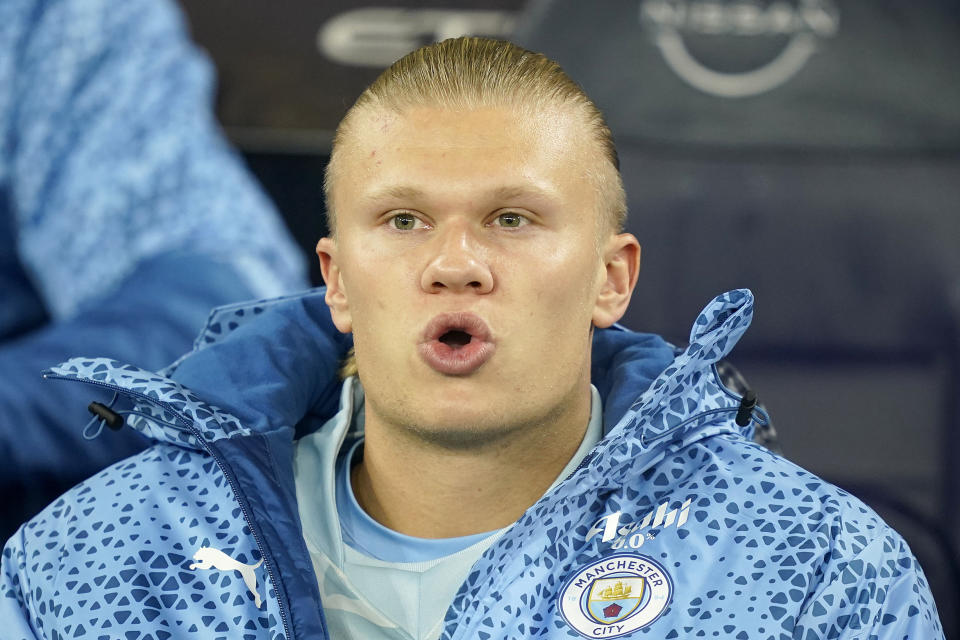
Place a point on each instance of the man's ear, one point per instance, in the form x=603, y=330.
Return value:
x=622, y=266
x=336, y=297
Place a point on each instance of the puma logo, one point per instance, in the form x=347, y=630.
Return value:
x=210, y=558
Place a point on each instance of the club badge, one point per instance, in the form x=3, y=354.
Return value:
x=616, y=595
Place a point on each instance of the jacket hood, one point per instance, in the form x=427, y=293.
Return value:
x=273, y=365
x=686, y=402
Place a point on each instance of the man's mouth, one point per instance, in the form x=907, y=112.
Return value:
x=456, y=338
x=456, y=344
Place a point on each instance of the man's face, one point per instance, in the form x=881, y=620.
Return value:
x=467, y=267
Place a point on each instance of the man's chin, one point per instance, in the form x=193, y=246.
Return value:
x=464, y=436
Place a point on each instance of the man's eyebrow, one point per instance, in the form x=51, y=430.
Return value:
x=396, y=192
x=405, y=192
x=520, y=191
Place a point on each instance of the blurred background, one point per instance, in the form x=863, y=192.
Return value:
x=806, y=149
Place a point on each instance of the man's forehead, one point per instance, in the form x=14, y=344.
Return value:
x=503, y=172
x=439, y=125
x=501, y=156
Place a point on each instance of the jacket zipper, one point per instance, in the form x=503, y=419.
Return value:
x=231, y=480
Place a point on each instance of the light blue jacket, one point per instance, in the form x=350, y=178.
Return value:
x=676, y=525
x=124, y=216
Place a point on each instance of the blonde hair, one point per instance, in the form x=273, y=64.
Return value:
x=349, y=365
x=466, y=73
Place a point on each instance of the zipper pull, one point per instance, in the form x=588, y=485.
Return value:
x=110, y=417
x=747, y=405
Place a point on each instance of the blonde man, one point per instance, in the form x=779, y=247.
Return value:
x=502, y=460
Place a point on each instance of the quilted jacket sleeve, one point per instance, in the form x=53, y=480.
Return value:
x=113, y=154
x=132, y=216
x=15, y=601
x=880, y=594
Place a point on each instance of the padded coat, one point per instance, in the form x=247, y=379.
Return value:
x=707, y=533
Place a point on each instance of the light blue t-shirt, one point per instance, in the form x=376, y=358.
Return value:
x=366, y=535
x=375, y=582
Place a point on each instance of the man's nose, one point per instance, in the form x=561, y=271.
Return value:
x=458, y=262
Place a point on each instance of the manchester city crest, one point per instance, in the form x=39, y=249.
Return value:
x=616, y=595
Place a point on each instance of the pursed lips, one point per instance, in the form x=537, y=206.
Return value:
x=456, y=344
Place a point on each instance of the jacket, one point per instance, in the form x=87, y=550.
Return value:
x=676, y=523
x=124, y=218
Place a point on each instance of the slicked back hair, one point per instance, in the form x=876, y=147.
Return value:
x=469, y=73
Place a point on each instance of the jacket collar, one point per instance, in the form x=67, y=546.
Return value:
x=270, y=365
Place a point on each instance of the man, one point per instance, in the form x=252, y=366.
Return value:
x=124, y=217
x=506, y=463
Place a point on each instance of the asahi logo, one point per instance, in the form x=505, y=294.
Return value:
x=634, y=533
x=738, y=48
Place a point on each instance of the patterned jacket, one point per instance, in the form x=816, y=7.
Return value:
x=676, y=525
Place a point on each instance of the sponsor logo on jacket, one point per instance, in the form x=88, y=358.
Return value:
x=632, y=535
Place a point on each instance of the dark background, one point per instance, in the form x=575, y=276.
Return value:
x=810, y=153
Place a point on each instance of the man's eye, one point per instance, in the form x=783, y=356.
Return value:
x=511, y=220
x=404, y=222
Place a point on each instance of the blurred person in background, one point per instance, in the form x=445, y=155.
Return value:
x=496, y=459
x=124, y=218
